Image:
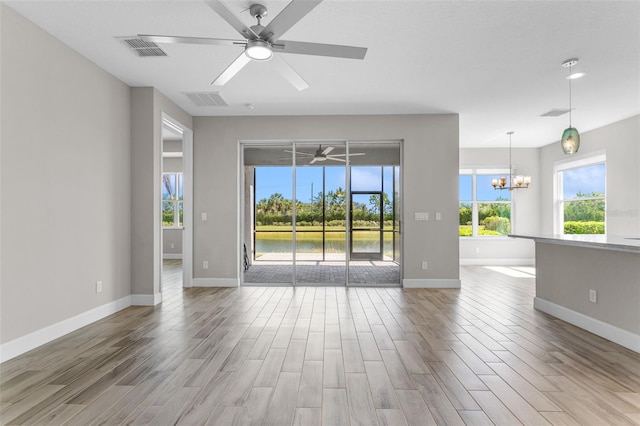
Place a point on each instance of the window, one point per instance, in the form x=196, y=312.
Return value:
x=580, y=196
x=484, y=211
x=172, y=200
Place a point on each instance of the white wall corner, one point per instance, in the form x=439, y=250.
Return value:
x=610, y=332
x=21, y=345
x=146, y=299
x=430, y=283
x=216, y=282
x=497, y=262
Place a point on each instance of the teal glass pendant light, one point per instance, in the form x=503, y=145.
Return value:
x=570, y=137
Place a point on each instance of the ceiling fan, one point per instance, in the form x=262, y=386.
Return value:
x=323, y=155
x=263, y=43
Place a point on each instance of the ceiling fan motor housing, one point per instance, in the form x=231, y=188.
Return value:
x=258, y=11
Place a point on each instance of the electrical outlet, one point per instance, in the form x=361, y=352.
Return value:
x=424, y=265
x=203, y=215
x=593, y=296
x=438, y=216
x=477, y=250
x=173, y=245
x=205, y=264
x=98, y=286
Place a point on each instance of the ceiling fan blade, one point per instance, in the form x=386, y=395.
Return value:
x=350, y=154
x=299, y=153
x=232, y=70
x=189, y=40
x=320, y=49
x=290, y=15
x=289, y=73
x=313, y=161
x=328, y=150
x=231, y=18
x=329, y=157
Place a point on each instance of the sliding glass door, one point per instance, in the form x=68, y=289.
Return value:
x=321, y=213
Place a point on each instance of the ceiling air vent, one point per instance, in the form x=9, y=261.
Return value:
x=207, y=99
x=143, y=48
x=555, y=112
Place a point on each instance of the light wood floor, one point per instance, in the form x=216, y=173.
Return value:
x=282, y=356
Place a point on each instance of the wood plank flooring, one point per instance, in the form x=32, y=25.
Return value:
x=329, y=356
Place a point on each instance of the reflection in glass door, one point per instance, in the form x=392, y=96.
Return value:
x=366, y=240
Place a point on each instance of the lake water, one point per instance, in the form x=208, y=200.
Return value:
x=275, y=243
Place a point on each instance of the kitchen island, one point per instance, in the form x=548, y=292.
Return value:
x=591, y=281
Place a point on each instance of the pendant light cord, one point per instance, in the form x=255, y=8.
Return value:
x=570, y=66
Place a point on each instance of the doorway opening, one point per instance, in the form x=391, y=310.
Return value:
x=321, y=213
x=176, y=207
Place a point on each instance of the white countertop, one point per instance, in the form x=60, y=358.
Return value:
x=605, y=242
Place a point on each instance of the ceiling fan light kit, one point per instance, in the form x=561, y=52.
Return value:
x=570, y=141
x=263, y=43
x=258, y=50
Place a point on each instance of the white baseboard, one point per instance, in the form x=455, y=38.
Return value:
x=21, y=345
x=172, y=255
x=610, y=332
x=498, y=262
x=146, y=299
x=430, y=283
x=216, y=282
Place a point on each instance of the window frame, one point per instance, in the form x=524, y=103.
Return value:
x=177, y=201
x=474, y=172
x=591, y=159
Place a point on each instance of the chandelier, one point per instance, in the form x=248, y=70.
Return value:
x=516, y=182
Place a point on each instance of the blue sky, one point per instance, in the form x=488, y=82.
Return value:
x=586, y=179
x=484, y=189
x=270, y=180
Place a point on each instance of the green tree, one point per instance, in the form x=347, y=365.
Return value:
x=588, y=210
x=466, y=212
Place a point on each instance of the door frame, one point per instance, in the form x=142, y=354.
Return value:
x=242, y=187
x=187, y=202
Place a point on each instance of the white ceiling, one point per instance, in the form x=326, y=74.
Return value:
x=496, y=63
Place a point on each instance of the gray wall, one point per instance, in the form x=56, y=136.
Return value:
x=430, y=177
x=66, y=194
x=525, y=204
x=172, y=237
x=621, y=142
x=147, y=105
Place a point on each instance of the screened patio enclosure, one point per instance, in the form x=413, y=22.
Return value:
x=322, y=213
